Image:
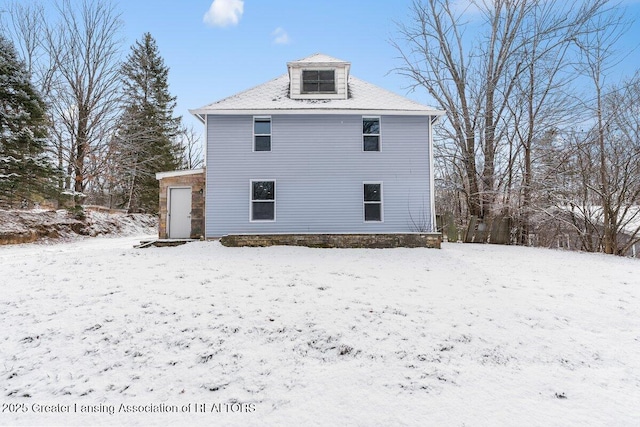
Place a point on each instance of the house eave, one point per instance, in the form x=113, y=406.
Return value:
x=171, y=174
x=319, y=64
x=200, y=113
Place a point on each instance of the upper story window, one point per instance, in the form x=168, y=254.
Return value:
x=318, y=81
x=371, y=133
x=262, y=134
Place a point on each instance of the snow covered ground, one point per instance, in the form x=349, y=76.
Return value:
x=474, y=335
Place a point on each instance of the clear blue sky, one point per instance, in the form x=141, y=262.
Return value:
x=209, y=61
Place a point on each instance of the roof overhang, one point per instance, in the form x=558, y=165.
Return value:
x=171, y=174
x=201, y=113
x=198, y=115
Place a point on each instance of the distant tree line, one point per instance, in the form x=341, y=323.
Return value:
x=535, y=129
x=79, y=120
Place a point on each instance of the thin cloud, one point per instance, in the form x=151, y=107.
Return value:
x=223, y=13
x=280, y=36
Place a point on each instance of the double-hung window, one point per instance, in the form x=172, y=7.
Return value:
x=372, y=201
x=371, y=133
x=263, y=201
x=318, y=81
x=262, y=134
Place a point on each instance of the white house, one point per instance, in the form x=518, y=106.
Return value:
x=318, y=151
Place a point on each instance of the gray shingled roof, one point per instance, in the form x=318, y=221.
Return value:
x=272, y=97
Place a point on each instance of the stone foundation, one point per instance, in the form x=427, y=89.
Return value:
x=377, y=241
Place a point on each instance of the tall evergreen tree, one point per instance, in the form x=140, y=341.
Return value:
x=146, y=141
x=25, y=171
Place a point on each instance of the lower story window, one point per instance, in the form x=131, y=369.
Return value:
x=263, y=200
x=372, y=201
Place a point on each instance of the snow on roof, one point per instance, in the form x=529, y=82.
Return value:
x=318, y=58
x=273, y=97
x=628, y=220
x=171, y=174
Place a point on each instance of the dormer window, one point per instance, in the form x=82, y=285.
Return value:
x=318, y=77
x=318, y=81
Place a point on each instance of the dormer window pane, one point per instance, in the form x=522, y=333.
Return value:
x=309, y=87
x=309, y=75
x=318, y=81
x=327, y=87
x=326, y=75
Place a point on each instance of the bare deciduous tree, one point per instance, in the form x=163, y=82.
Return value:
x=85, y=49
x=507, y=89
x=192, y=148
x=541, y=103
x=597, y=49
x=471, y=80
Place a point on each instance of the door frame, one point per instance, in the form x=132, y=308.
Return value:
x=178, y=187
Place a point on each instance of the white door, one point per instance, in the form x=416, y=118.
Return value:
x=179, y=213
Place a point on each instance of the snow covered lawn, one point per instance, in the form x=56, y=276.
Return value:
x=475, y=335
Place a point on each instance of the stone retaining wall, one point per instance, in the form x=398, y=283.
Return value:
x=405, y=240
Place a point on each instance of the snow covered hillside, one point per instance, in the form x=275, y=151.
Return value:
x=96, y=332
x=25, y=226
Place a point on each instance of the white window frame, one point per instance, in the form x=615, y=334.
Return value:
x=335, y=81
x=379, y=134
x=270, y=135
x=251, y=201
x=381, y=202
